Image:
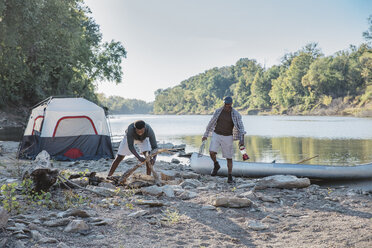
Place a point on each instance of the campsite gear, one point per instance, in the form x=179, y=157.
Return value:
x=68, y=129
x=244, y=153
x=201, y=149
x=203, y=164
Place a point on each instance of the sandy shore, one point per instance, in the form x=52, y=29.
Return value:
x=185, y=213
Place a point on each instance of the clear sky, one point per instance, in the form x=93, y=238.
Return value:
x=169, y=41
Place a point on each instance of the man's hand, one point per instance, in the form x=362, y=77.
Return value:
x=141, y=159
x=204, y=138
x=153, y=151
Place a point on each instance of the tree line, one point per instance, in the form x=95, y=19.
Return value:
x=50, y=48
x=54, y=47
x=304, y=81
x=120, y=105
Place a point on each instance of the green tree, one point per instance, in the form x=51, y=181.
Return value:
x=120, y=105
x=368, y=34
x=259, y=97
x=337, y=76
x=52, y=48
x=245, y=71
x=288, y=90
x=261, y=87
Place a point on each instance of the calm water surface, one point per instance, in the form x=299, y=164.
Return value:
x=335, y=140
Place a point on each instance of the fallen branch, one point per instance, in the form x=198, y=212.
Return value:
x=65, y=184
x=60, y=177
x=129, y=172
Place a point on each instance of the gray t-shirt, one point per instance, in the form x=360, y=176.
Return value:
x=132, y=135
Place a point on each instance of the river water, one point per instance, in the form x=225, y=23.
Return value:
x=334, y=140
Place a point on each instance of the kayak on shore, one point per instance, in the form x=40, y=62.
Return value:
x=203, y=165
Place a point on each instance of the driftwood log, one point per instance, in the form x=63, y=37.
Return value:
x=129, y=172
x=44, y=176
x=61, y=178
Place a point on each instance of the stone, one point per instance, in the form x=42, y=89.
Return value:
x=187, y=195
x=18, y=244
x=4, y=216
x=21, y=236
x=36, y=235
x=245, y=185
x=209, y=207
x=22, y=227
x=102, y=221
x=102, y=190
x=150, y=203
x=138, y=213
x=165, y=146
x=152, y=190
x=168, y=190
x=43, y=159
x=107, y=185
x=73, y=212
x=76, y=226
x=248, y=194
x=168, y=175
x=282, y=181
x=193, y=183
x=266, y=198
x=46, y=240
x=175, y=161
x=14, y=229
x=3, y=242
x=270, y=219
x=58, y=222
x=62, y=245
x=257, y=225
x=139, y=184
x=33, y=226
x=232, y=202
x=189, y=175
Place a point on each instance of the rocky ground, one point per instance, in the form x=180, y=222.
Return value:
x=187, y=210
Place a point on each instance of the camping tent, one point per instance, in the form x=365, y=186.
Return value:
x=68, y=129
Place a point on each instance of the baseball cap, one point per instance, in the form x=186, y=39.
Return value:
x=228, y=100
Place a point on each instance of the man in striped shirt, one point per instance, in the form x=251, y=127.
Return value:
x=225, y=126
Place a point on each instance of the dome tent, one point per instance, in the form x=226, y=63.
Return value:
x=68, y=129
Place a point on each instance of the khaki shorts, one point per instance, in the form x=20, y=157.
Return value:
x=223, y=142
x=142, y=146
